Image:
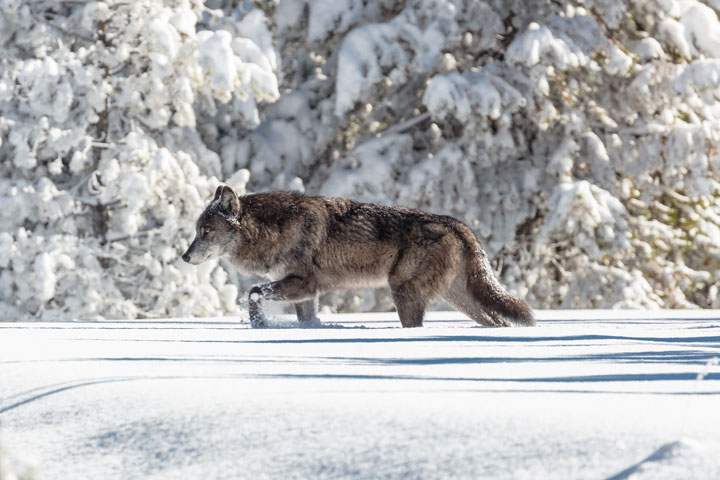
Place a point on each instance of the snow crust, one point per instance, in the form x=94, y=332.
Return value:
x=585, y=394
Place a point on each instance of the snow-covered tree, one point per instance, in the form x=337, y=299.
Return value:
x=103, y=166
x=578, y=139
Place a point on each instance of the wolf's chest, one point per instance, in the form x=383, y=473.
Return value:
x=249, y=267
x=276, y=272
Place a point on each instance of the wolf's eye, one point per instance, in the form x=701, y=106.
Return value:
x=206, y=230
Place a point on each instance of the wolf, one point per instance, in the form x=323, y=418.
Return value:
x=306, y=245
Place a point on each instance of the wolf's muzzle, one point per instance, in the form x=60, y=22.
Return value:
x=186, y=257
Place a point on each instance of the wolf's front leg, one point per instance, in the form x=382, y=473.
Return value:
x=307, y=312
x=292, y=288
x=257, y=317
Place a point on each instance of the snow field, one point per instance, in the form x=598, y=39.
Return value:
x=586, y=394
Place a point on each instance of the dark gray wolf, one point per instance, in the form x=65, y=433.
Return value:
x=307, y=245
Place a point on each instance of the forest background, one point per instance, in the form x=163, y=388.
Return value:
x=579, y=140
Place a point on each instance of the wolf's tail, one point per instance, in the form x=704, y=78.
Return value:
x=483, y=285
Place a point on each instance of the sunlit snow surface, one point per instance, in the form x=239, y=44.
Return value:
x=586, y=394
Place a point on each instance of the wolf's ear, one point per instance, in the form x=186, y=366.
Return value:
x=218, y=192
x=228, y=199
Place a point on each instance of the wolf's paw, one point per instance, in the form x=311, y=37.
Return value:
x=313, y=322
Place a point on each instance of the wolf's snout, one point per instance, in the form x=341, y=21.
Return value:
x=186, y=257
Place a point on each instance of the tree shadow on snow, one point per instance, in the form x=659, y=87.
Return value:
x=690, y=357
x=712, y=341
x=623, y=377
x=23, y=398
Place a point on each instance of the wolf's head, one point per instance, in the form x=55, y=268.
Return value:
x=215, y=231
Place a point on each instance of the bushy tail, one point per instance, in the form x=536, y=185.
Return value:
x=483, y=285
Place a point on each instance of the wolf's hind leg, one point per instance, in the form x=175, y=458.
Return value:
x=420, y=276
x=410, y=308
x=307, y=311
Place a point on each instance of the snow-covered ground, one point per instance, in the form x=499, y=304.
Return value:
x=586, y=394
